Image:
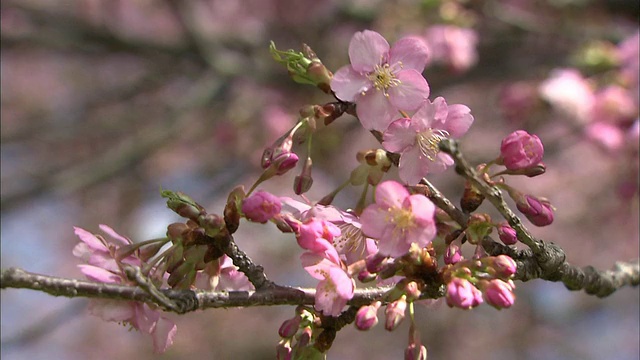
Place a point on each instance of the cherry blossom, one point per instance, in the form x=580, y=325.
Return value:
x=335, y=287
x=398, y=219
x=520, y=150
x=382, y=80
x=417, y=139
x=104, y=266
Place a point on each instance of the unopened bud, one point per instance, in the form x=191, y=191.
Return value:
x=367, y=316
x=507, y=234
x=395, y=313
x=290, y=327
x=504, y=266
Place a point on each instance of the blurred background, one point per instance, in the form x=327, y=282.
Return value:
x=106, y=101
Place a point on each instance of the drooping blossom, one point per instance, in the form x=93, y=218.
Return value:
x=222, y=275
x=452, y=46
x=335, y=287
x=463, y=294
x=104, y=266
x=417, y=139
x=569, y=92
x=382, y=80
x=397, y=219
x=261, y=206
x=521, y=150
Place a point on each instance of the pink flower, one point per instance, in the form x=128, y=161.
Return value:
x=103, y=266
x=499, y=294
x=398, y=219
x=230, y=278
x=261, y=206
x=461, y=293
x=417, y=139
x=453, y=46
x=569, y=92
x=335, y=287
x=520, y=150
x=382, y=80
x=317, y=235
x=349, y=240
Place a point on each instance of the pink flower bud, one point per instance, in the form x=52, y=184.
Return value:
x=261, y=206
x=367, y=316
x=537, y=210
x=499, y=294
x=504, y=266
x=284, y=350
x=395, y=313
x=453, y=254
x=507, y=234
x=520, y=150
x=316, y=235
x=290, y=327
x=284, y=162
x=461, y=293
x=415, y=352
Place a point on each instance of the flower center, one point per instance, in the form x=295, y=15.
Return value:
x=428, y=142
x=350, y=239
x=402, y=218
x=383, y=77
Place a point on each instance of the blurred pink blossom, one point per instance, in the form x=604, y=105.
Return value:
x=452, y=46
x=569, y=92
x=615, y=105
x=105, y=267
x=382, y=80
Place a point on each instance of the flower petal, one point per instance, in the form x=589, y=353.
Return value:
x=91, y=240
x=374, y=221
x=412, y=52
x=459, y=120
x=412, y=91
x=375, y=111
x=114, y=235
x=163, y=334
x=413, y=166
x=391, y=194
x=99, y=274
x=399, y=136
x=366, y=50
x=348, y=83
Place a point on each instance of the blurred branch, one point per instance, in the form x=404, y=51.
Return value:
x=126, y=154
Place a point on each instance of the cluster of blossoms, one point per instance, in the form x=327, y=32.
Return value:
x=391, y=241
x=386, y=84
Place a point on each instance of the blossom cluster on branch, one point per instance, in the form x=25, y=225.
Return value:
x=402, y=237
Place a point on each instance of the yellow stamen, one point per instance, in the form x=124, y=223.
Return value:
x=428, y=142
